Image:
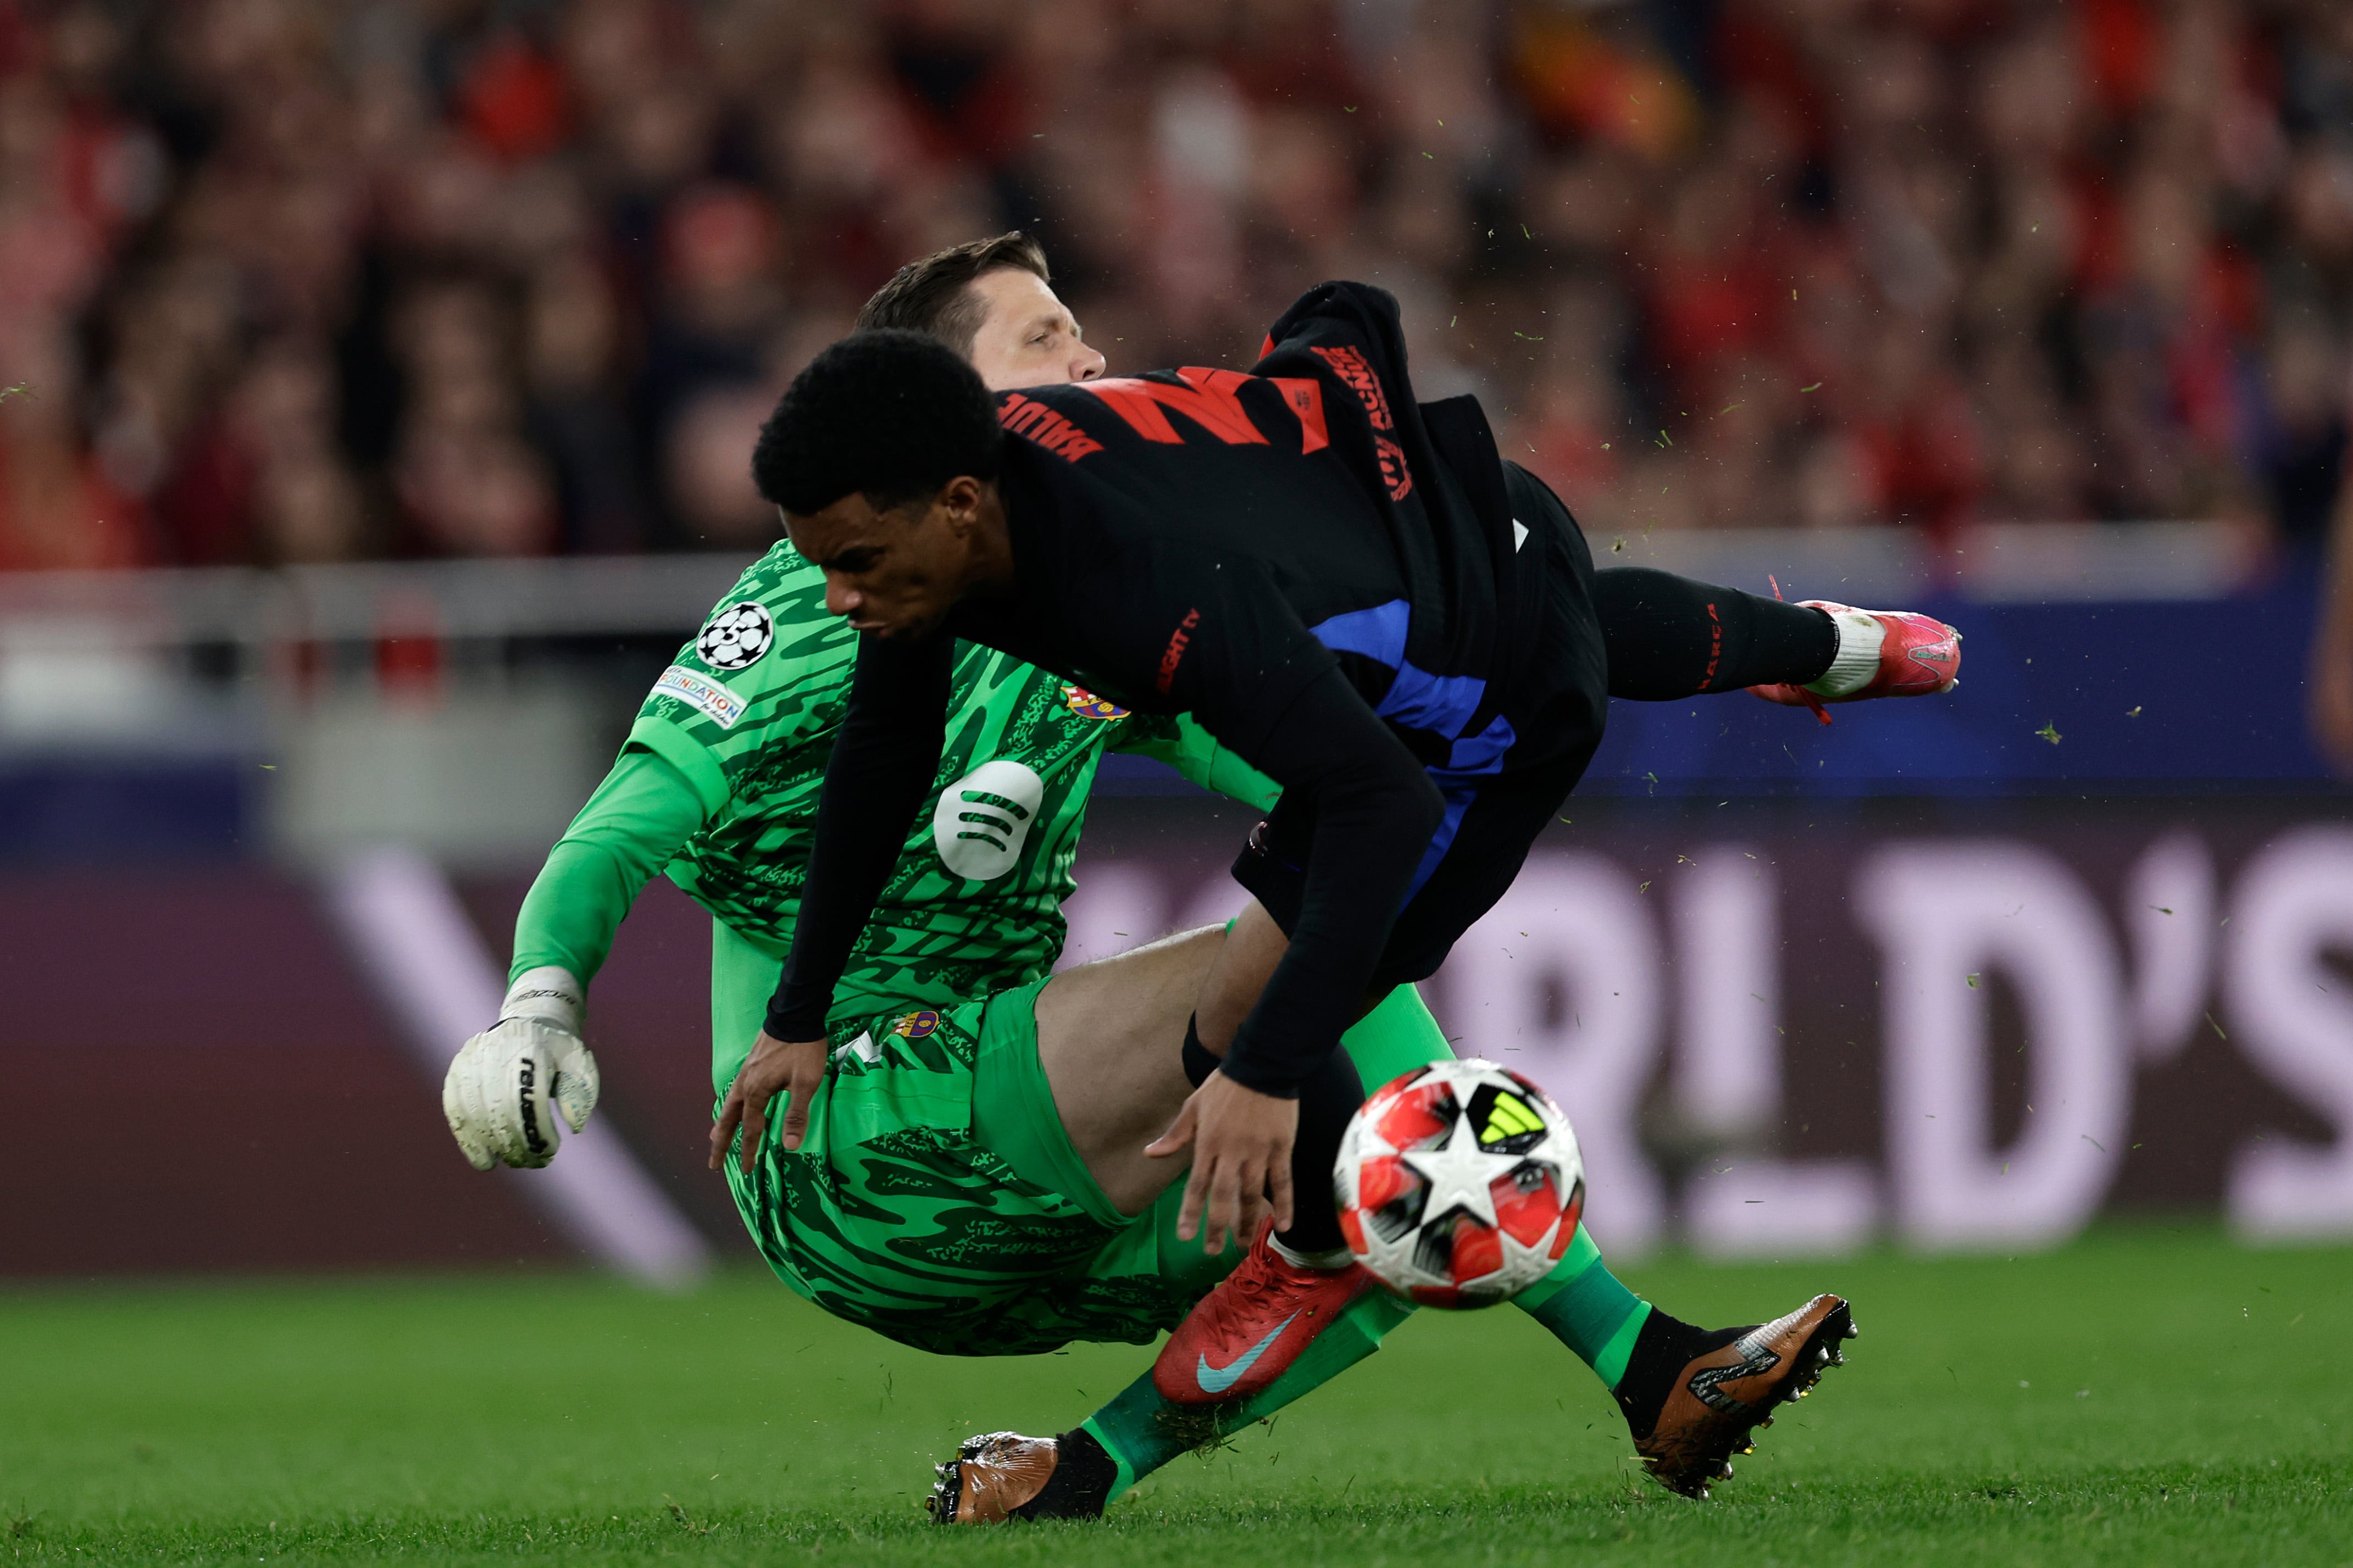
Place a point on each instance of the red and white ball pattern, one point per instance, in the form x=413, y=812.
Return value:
x=1460, y=1184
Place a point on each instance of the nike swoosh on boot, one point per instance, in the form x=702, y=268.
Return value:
x=1214, y=1380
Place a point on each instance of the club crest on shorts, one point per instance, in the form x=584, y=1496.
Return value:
x=1087, y=705
x=917, y=1024
x=736, y=636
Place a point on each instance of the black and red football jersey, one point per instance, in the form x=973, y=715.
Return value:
x=1325, y=573
x=1208, y=542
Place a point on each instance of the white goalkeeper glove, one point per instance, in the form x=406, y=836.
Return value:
x=508, y=1084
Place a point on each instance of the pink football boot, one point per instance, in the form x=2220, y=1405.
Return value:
x=1918, y=656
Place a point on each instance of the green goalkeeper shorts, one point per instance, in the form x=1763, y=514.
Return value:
x=937, y=1198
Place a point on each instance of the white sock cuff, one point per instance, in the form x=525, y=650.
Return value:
x=550, y=991
x=1338, y=1257
x=1856, y=664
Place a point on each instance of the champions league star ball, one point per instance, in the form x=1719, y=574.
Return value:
x=1459, y=1184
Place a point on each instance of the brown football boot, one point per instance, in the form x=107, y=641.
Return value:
x=1702, y=1416
x=1002, y=1476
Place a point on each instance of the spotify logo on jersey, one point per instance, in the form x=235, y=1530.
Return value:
x=984, y=818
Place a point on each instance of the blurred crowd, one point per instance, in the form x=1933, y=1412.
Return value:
x=287, y=280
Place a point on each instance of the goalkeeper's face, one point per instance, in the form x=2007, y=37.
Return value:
x=897, y=572
x=1027, y=336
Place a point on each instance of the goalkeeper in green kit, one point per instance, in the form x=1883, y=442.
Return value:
x=967, y=1177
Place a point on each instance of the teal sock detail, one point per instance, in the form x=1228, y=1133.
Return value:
x=1587, y=1310
x=1609, y=1366
x=1581, y=1256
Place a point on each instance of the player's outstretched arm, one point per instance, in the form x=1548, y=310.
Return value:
x=1375, y=810
x=637, y=820
x=502, y=1084
x=507, y=1085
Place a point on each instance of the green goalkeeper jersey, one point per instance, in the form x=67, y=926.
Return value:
x=745, y=717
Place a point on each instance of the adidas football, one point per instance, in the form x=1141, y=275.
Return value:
x=1459, y=1183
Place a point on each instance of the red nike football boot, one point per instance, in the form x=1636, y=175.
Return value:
x=1246, y=1333
x=1919, y=656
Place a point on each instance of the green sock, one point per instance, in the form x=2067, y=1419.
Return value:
x=1141, y=1431
x=1587, y=1310
x=1579, y=1301
x=1582, y=1303
x=1396, y=1036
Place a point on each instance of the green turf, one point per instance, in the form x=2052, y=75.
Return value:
x=2145, y=1395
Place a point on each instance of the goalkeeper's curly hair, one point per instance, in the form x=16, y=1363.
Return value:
x=890, y=416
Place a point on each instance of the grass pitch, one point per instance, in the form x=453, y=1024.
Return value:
x=2148, y=1394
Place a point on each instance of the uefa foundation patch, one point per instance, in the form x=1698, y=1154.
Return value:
x=701, y=693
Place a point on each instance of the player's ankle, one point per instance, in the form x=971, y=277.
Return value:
x=1084, y=1474
x=1322, y=1259
x=1856, y=663
x=1662, y=1350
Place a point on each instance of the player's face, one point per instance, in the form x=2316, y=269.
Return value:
x=1027, y=336
x=896, y=572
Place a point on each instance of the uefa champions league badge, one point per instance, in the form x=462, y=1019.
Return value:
x=917, y=1024
x=736, y=636
x=1087, y=705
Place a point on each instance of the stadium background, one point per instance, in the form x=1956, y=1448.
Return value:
x=380, y=379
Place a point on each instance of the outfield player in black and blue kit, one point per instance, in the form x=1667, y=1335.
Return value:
x=1353, y=592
